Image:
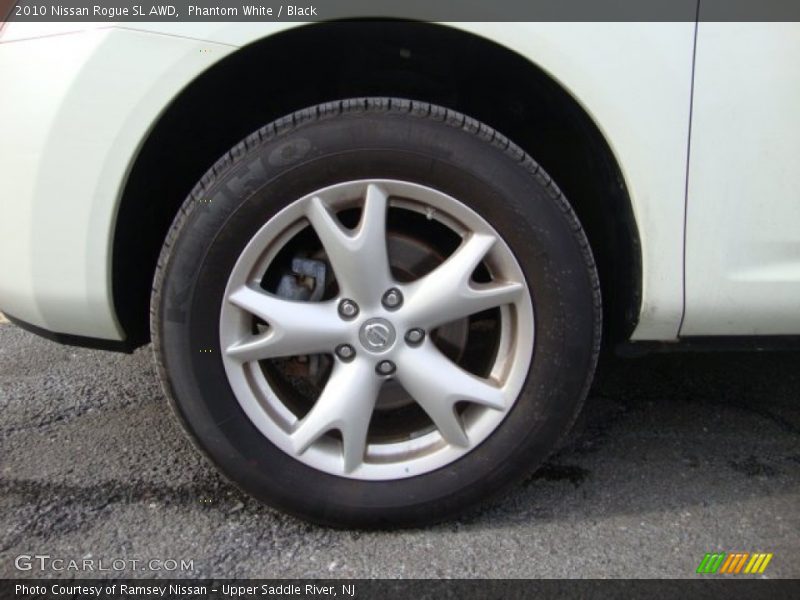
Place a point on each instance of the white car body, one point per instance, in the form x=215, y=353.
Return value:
x=720, y=241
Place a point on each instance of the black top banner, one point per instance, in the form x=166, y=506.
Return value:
x=422, y=10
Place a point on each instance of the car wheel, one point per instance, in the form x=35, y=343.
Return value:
x=376, y=312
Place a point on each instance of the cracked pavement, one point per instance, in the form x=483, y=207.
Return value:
x=674, y=456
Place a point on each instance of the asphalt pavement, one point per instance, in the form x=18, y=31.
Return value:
x=675, y=455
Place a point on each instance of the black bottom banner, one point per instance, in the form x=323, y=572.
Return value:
x=389, y=589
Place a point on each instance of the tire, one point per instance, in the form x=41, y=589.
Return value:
x=452, y=418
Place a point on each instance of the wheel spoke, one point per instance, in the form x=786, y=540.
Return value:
x=346, y=404
x=359, y=258
x=294, y=327
x=438, y=384
x=448, y=294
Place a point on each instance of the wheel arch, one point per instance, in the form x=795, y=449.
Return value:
x=420, y=61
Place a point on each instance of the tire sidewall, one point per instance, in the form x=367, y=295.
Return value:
x=523, y=207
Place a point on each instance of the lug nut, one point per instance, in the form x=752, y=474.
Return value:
x=415, y=336
x=385, y=367
x=348, y=309
x=346, y=352
x=392, y=299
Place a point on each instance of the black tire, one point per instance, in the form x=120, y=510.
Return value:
x=392, y=139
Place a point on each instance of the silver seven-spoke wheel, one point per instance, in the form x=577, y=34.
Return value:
x=376, y=329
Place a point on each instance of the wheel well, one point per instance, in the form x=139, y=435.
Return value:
x=330, y=61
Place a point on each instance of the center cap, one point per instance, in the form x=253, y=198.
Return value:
x=377, y=335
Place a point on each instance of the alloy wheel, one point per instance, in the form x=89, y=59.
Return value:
x=440, y=351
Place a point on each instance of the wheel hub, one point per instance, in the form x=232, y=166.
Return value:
x=377, y=335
